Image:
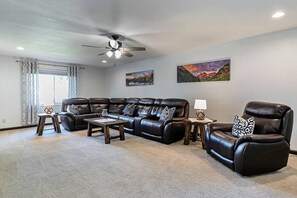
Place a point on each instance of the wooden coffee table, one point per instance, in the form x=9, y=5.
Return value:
x=105, y=123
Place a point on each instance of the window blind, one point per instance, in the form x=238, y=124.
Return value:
x=52, y=69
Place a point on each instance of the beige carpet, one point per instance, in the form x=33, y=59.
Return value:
x=74, y=165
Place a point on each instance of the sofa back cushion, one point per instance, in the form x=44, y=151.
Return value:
x=131, y=106
x=132, y=101
x=156, y=107
x=81, y=104
x=116, y=105
x=97, y=104
x=145, y=106
x=181, y=107
x=268, y=116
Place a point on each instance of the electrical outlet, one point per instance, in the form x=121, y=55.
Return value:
x=3, y=121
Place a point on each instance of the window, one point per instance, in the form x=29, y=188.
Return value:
x=53, y=85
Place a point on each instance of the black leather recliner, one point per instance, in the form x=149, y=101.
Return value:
x=266, y=150
x=170, y=130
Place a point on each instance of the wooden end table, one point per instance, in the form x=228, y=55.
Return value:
x=41, y=122
x=198, y=124
x=105, y=123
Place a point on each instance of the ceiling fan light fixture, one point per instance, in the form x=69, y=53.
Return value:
x=278, y=15
x=114, y=44
x=118, y=54
x=109, y=54
x=20, y=48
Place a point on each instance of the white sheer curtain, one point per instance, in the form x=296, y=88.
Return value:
x=30, y=91
x=73, y=80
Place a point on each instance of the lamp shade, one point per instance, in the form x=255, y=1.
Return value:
x=109, y=54
x=200, y=104
x=117, y=54
x=114, y=44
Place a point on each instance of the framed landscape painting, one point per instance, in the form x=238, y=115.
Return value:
x=218, y=70
x=140, y=78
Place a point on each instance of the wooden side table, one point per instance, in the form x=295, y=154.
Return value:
x=41, y=122
x=198, y=124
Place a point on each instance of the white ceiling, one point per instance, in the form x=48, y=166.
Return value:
x=54, y=30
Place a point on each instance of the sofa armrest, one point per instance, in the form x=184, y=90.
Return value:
x=261, y=155
x=259, y=138
x=216, y=126
x=67, y=114
x=182, y=119
x=137, y=124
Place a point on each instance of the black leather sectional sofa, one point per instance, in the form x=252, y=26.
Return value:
x=145, y=119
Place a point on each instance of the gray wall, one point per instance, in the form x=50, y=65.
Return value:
x=10, y=89
x=262, y=68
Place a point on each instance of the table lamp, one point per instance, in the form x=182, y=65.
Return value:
x=200, y=105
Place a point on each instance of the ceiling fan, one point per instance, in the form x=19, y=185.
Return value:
x=115, y=47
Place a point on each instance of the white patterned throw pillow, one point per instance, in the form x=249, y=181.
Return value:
x=129, y=110
x=243, y=127
x=72, y=109
x=167, y=113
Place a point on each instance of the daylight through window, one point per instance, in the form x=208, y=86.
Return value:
x=53, y=85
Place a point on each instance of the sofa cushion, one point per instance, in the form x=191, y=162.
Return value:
x=156, y=107
x=167, y=114
x=143, y=110
x=116, y=108
x=83, y=109
x=266, y=125
x=223, y=143
x=132, y=100
x=97, y=108
x=266, y=110
x=130, y=121
x=116, y=105
x=74, y=101
x=145, y=106
x=181, y=106
x=78, y=109
x=97, y=104
x=243, y=126
x=154, y=127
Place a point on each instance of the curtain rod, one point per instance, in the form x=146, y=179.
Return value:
x=43, y=63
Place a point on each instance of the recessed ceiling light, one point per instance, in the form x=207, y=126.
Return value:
x=19, y=48
x=278, y=15
x=104, y=61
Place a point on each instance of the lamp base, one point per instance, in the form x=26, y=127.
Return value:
x=48, y=110
x=200, y=115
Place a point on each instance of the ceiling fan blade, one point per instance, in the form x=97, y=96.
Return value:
x=95, y=46
x=124, y=53
x=104, y=53
x=134, y=49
